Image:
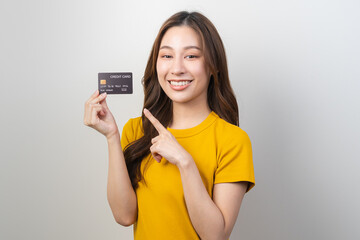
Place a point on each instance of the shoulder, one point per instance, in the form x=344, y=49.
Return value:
x=132, y=130
x=230, y=134
x=133, y=124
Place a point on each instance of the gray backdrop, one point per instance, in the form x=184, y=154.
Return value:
x=294, y=66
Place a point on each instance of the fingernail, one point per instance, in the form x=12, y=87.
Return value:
x=104, y=93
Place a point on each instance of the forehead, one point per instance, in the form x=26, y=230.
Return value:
x=181, y=36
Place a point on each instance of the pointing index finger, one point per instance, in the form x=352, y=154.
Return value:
x=159, y=127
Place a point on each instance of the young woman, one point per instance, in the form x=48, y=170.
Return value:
x=180, y=171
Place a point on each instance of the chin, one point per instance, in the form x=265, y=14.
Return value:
x=180, y=100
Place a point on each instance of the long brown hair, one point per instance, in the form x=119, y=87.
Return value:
x=220, y=96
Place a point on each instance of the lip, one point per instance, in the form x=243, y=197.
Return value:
x=178, y=88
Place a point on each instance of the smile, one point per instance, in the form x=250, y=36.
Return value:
x=179, y=84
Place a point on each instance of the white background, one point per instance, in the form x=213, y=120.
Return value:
x=294, y=66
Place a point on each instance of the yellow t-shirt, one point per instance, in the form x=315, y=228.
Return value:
x=222, y=153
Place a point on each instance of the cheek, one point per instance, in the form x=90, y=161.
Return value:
x=161, y=73
x=161, y=69
x=199, y=70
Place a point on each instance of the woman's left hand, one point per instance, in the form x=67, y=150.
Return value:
x=165, y=144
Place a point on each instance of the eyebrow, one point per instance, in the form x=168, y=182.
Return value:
x=187, y=47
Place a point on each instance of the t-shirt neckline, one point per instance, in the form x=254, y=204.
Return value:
x=194, y=130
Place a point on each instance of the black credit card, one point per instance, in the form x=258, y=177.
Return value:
x=115, y=83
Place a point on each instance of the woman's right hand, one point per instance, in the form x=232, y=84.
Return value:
x=98, y=116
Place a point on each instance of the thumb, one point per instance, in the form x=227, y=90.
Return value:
x=157, y=157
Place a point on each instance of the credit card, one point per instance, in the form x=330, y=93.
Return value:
x=115, y=83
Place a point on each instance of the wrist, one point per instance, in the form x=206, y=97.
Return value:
x=186, y=162
x=114, y=137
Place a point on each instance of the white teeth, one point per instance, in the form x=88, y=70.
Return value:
x=181, y=83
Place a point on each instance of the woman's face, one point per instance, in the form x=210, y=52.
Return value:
x=180, y=66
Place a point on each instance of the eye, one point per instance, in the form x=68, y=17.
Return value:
x=166, y=56
x=191, y=56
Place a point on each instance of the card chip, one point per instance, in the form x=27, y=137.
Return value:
x=102, y=81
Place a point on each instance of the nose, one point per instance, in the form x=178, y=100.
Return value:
x=178, y=67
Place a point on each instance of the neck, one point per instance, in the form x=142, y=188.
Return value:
x=189, y=115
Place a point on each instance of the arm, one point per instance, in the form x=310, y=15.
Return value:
x=120, y=193
x=211, y=218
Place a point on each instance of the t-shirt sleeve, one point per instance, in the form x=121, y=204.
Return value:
x=235, y=159
x=127, y=134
